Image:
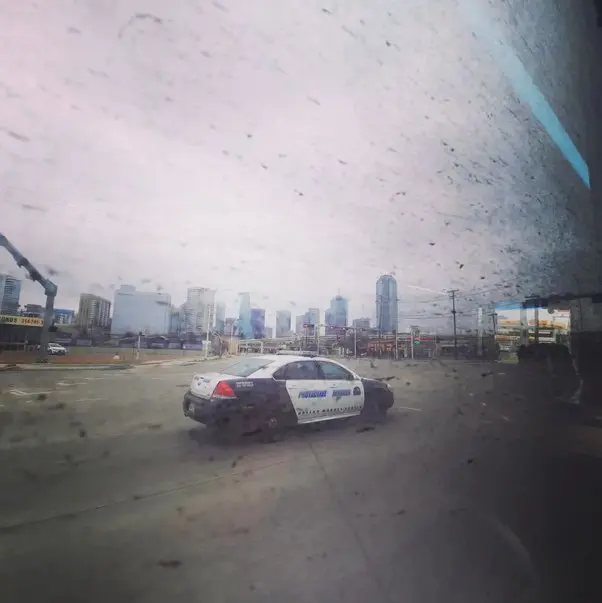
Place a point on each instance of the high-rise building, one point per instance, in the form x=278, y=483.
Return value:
x=94, y=311
x=258, y=323
x=10, y=291
x=269, y=332
x=313, y=316
x=386, y=304
x=177, y=321
x=245, y=329
x=299, y=324
x=200, y=310
x=313, y=319
x=220, y=317
x=337, y=314
x=230, y=324
x=283, y=323
x=135, y=311
x=361, y=323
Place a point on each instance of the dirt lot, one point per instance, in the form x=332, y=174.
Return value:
x=98, y=356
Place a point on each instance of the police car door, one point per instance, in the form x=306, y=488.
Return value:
x=306, y=389
x=345, y=390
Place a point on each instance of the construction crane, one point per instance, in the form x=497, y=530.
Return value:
x=50, y=289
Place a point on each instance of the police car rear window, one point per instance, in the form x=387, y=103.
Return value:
x=245, y=368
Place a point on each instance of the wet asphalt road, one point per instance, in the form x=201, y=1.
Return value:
x=108, y=493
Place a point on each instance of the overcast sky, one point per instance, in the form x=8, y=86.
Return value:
x=294, y=149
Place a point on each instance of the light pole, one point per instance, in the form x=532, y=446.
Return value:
x=231, y=337
x=207, y=334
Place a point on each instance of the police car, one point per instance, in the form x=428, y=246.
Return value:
x=273, y=392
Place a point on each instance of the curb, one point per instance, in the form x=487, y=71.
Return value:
x=65, y=367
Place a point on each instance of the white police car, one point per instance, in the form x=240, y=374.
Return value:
x=273, y=392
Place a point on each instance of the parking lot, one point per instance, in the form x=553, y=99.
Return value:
x=147, y=506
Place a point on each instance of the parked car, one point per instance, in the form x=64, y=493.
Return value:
x=55, y=349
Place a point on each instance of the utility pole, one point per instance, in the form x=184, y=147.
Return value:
x=50, y=289
x=452, y=293
x=536, y=329
x=494, y=319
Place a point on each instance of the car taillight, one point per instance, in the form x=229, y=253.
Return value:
x=223, y=390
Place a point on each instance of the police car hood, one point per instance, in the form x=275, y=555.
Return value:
x=203, y=384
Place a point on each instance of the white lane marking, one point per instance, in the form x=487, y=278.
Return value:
x=19, y=393
x=90, y=399
x=409, y=408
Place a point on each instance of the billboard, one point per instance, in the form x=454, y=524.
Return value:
x=21, y=321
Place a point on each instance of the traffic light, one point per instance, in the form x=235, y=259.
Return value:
x=416, y=339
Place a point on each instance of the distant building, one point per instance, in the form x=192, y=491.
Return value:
x=200, y=310
x=245, y=328
x=177, y=320
x=299, y=324
x=361, y=323
x=283, y=323
x=220, y=317
x=258, y=323
x=336, y=315
x=386, y=304
x=269, y=332
x=33, y=310
x=313, y=319
x=64, y=317
x=10, y=292
x=230, y=324
x=94, y=312
x=135, y=311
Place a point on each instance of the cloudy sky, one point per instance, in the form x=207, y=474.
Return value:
x=294, y=149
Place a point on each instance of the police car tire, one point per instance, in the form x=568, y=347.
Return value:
x=272, y=428
x=373, y=408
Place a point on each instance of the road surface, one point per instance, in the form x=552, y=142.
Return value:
x=107, y=493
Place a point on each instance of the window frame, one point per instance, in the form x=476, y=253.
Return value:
x=284, y=368
x=350, y=375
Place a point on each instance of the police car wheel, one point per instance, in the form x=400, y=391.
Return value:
x=272, y=429
x=374, y=409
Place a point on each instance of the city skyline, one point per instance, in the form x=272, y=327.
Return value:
x=260, y=178
x=433, y=311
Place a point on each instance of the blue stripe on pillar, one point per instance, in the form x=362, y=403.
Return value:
x=488, y=33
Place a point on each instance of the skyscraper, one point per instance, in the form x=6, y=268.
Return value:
x=313, y=319
x=200, y=309
x=258, y=323
x=283, y=323
x=10, y=291
x=220, y=317
x=386, y=304
x=339, y=310
x=299, y=324
x=245, y=329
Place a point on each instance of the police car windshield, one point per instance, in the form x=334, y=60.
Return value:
x=244, y=368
